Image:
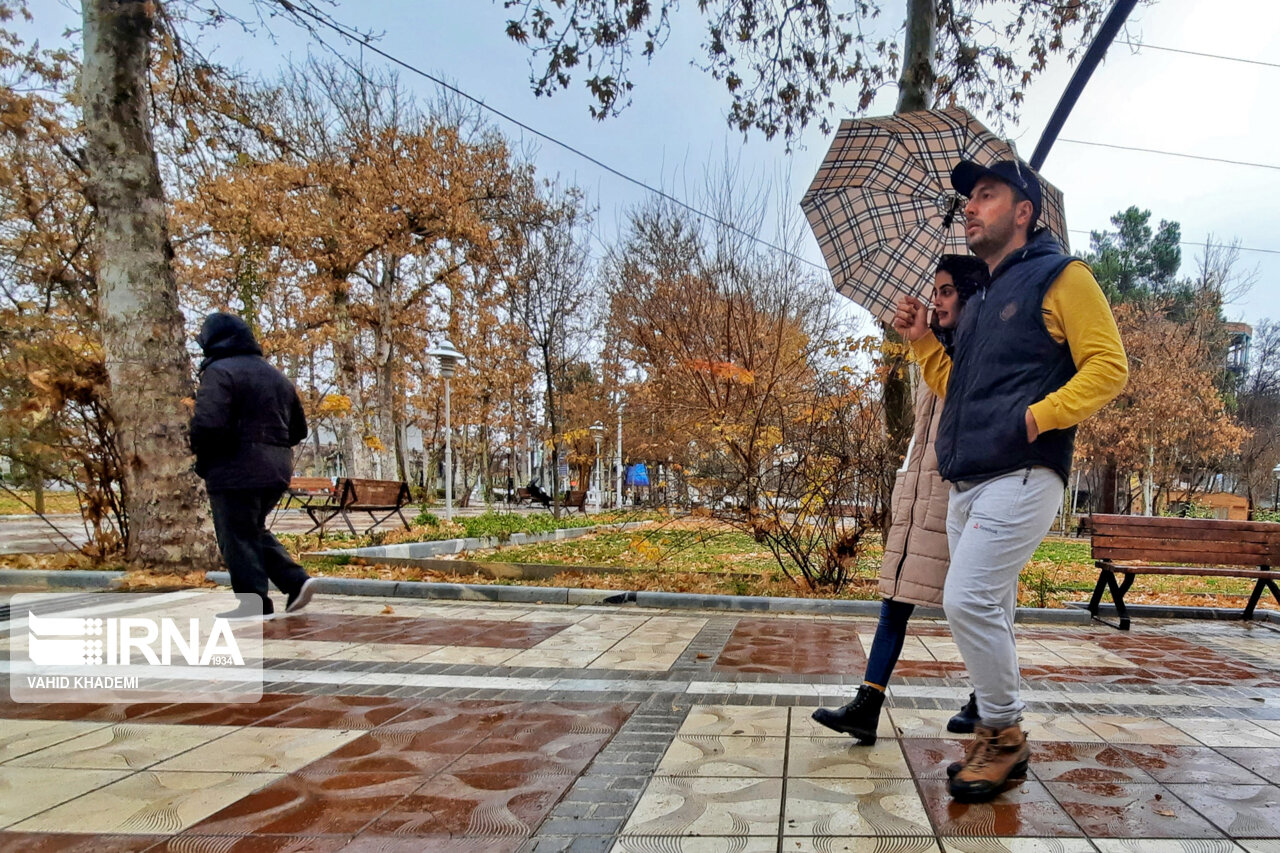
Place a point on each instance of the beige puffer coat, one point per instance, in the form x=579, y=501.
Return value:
x=916, y=555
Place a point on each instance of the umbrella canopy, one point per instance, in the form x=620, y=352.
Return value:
x=883, y=209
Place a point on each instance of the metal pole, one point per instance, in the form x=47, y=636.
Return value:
x=619, y=472
x=1106, y=34
x=599, y=480
x=448, y=458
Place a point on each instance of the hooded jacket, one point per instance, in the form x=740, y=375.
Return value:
x=247, y=414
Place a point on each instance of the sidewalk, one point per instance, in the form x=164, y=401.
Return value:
x=409, y=725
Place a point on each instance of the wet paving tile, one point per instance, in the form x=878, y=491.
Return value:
x=735, y=720
x=1241, y=811
x=474, y=804
x=1017, y=845
x=194, y=843
x=708, y=755
x=718, y=844
x=124, y=746
x=1264, y=762
x=151, y=802
x=825, y=757
x=370, y=843
x=1060, y=761
x=1121, y=729
x=1190, y=764
x=1216, y=732
x=211, y=714
x=792, y=646
x=929, y=757
x=340, y=712
x=262, y=750
x=840, y=807
x=1165, y=845
x=397, y=752
x=1022, y=809
x=27, y=791
x=356, y=629
x=707, y=806
x=339, y=805
x=1127, y=810
x=22, y=737
x=62, y=842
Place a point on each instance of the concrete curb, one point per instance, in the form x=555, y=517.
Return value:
x=545, y=595
x=1171, y=611
x=420, y=550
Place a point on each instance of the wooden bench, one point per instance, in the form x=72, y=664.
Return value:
x=308, y=490
x=356, y=495
x=1207, y=547
x=575, y=500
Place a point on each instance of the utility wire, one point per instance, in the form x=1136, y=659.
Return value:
x=1193, y=243
x=367, y=44
x=364, y=42
x=1172, y=154
x=1143, y=46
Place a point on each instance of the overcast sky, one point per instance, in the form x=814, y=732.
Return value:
x=675, y=131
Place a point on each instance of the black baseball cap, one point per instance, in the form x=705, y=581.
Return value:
x=1013, y=172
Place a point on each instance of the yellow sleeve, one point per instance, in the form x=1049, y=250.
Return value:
x=1076, y=311
x=935, y=364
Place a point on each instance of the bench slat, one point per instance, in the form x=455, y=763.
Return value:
x=1182, y=525
x=1155, y=534
x=1171, y=555
x=1208, y=552
x=1188, y=570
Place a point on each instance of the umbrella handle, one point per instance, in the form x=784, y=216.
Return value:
x=952, y=209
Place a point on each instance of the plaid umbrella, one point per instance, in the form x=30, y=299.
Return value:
x=883, y=209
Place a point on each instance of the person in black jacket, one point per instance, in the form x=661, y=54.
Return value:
x=247, y=420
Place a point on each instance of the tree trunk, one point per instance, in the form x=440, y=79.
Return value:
x=142, y=328
x=1110, y=484
x=350, y=428
x=384, y=373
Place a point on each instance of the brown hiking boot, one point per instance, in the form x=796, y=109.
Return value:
x=996, y=757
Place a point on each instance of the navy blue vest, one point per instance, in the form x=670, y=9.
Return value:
x=1005, y=360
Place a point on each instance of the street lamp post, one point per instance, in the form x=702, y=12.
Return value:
x=597, y=432
x=449, y=358
x=1275, y=501
x=618, y=503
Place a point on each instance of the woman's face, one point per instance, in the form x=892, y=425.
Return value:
x=946, y=300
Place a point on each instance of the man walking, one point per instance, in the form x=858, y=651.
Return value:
x=247, y=419
x=1035, y=356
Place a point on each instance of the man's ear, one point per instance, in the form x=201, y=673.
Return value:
x=1022, y=216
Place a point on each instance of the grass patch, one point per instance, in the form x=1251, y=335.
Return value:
x=54, y=502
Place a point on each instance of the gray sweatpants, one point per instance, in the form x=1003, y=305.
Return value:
x=993, y=528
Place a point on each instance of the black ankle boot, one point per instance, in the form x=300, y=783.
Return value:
x=860, y=718
x=964, y=721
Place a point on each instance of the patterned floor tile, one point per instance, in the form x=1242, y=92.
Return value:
x=1057, y=727
x=704, y=844
x=1016, y=845
x=566, y=754
x=840, y=807
x=21, y=737
x=1212, y=731
x=735, y=720
x=125, y=746
x=61, y=842
x=469, y=655
x=1129, y=811
x=911, y=723
x=1261, y=845
x=1024, y=809
x=560, y=658
x=473, y=804
x=829, y=758
x=1241, y=811
x=1062, y=761
x=207, y=714
x=1264, y=762
x=710, y=755
x=27, y=791
x=929, y=757
x=1189, y=764
x=389, y=652
x=369, y=843
x=1119, y=729
x=792, y=646
x=193, y=843
x=340, y=805
x=307, y=649
x=707, y=806
x=340, y=712
x=1165, y=845
x=148, y=803
x=262, y=750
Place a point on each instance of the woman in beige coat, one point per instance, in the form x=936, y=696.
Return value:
x=915, y=553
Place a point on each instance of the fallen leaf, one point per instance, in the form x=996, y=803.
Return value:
x=388, y=609
x=703, y=656
x=1165, y=812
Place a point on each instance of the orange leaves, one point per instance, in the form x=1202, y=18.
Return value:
x=334, y=404
x=725, y=370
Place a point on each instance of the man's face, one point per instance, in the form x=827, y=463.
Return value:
x=946, y=300
x=992, y=220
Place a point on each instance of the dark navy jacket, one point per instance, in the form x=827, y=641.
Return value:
x=1005, y=360
x=248, y=415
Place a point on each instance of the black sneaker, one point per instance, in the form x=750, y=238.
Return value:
x=967, y=717
x=302, y=597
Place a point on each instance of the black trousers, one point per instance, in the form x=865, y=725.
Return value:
x=252, y=554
